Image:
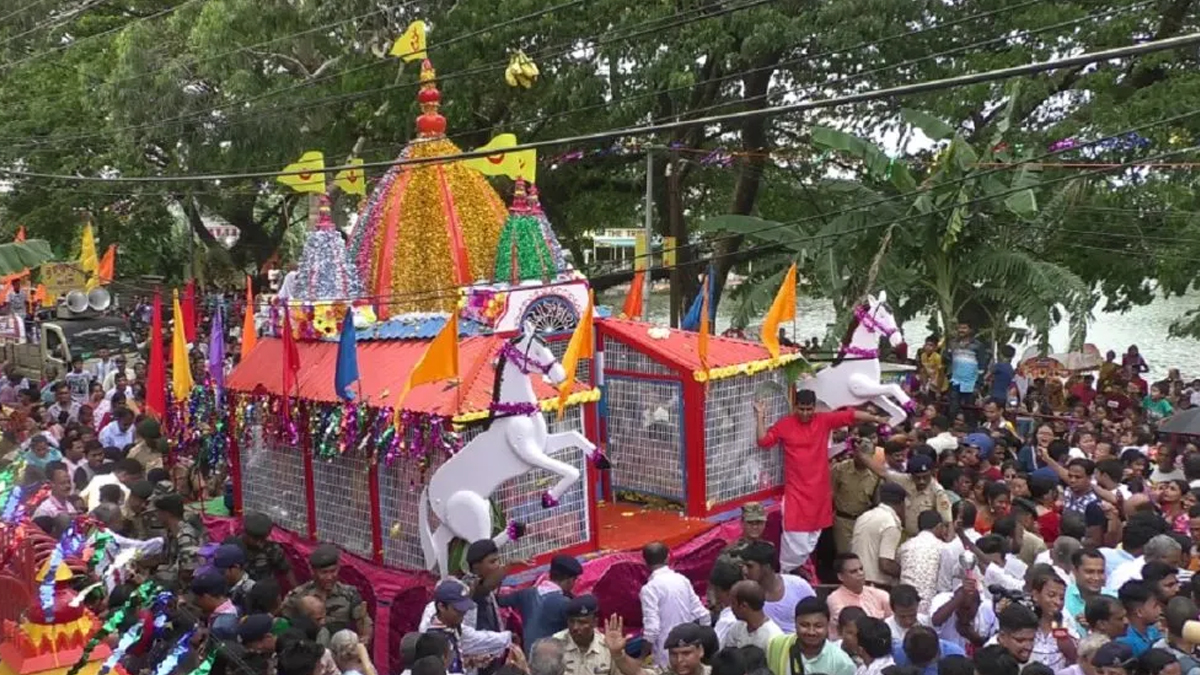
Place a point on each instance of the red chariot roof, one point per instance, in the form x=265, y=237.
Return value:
x=384, y=366
x=678, y=349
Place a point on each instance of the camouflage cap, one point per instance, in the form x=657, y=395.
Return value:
x=754, y=512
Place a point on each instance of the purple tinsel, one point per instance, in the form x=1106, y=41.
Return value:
x=512, y=408
x=861, y=352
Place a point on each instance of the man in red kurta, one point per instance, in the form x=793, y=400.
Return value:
x=807, y=499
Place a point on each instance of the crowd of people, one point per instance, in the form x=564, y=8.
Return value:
x=1009, y=528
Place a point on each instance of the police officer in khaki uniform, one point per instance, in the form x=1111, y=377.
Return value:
x=344, y=607
x=584, y=651
x=587, y=651
x=924, y=493
x=853, y=486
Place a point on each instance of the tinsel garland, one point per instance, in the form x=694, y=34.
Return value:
x=128, y=639
x=181, y=649
x=206, y=665
x=70, y=543
x=522, y=253
x=325, y=271
x=139, y=597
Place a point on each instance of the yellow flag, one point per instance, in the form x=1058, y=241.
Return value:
x=88, y=260
x=410, y=46
x=352, y=181
x=181, y=367
x=439, y=362
x=783, y=309
x=580, y=347
x=306, y=175
x=519, y=164
x=702, y=341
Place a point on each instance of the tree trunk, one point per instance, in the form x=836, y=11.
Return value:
x=745, y=193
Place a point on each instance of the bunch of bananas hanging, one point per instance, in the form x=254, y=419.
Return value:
x=521, y=71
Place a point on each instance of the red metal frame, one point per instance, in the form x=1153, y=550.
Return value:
x=694, y=396
x=376, y=516
x=646, y=376
x=761, y=495
x=235, y=474
x=310, y=496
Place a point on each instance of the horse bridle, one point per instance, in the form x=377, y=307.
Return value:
x=867, y=320
x=524, y=362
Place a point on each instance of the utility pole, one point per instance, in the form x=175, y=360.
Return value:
x=649, y=261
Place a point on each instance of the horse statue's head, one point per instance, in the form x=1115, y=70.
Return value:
x=877, y=317
x=530, y=354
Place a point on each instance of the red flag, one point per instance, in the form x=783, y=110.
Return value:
x=633, y=299
x=188, y=305
x=156, y=374
x=291, y=361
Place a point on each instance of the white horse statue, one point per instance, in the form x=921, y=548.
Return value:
x=515, y=441
x=853, y=377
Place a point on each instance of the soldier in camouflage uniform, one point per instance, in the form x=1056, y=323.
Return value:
x=144, y=522
x=754, y=521
x=181, y=551
x=264, y=558
x=344, y=607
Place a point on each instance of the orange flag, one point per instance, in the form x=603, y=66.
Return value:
x=20, y=234
x=249, y=329
x=783, y=309
x=702, y=340
x=581, y=346
x=439, y=362
x=633, y=299
x=108, y=264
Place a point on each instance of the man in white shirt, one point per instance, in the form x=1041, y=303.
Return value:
x=920, y=557
x=668, y=600
x=724, y=576
x=963, y=611
x=905, y=614
x=1162, y=548
x=753, y=627
x=119, y=432
x=59, y=502
x=783, y=591
x=125, y=473
x=950, y=569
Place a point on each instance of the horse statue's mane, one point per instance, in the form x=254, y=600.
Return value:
x=848, y=336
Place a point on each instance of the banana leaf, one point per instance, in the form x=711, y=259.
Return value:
x=19, y=256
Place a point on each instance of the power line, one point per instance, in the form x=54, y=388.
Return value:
x=259, y=114
x=898, y=91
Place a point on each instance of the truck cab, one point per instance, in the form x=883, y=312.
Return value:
x=63, y=339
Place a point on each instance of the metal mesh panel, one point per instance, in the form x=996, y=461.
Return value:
x=583, y=372
x=645, y=436
x=273, y=481
x=734, y=465
x=618, y=356
x=519, y=499
x=343, y=498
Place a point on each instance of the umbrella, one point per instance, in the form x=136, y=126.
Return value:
x=1185, y=422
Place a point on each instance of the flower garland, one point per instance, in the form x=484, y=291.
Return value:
x=747, y=368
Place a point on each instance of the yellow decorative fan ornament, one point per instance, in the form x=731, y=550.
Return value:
x=521, y=71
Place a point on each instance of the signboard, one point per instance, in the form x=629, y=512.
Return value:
x=12, y=328
x=62, y=278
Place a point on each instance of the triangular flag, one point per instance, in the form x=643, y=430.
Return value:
x=39, y=298
x=580, y=347
x=307, y=174
x=519, y=164
x=691, y=320
x=346, y=372
x=351, y=181
x=88, y=260
x=189, y=311
x=181, y=368
x=633, y=299
x=156, y=371
x=108, y=265
x=702, y=340
x=249, y=327
x=410, y=46
x=20, y=234
x=291, y=364
x=439, y=362
x=782, y=309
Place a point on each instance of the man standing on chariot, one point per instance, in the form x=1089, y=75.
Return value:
x=807, y=501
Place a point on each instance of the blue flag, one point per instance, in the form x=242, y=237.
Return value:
x=347, y=359
x=691, y=320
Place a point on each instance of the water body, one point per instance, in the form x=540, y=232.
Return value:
x=1144, y=326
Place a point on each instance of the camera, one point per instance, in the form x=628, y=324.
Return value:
x=1000, y=593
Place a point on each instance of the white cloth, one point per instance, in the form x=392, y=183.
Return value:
x=474, y=642
x=668, y=600
x=111, y=436
x=725, y=621
x=91, y=493
x=985, y=620
x=783, y=610
x=741, y=635
x=943, y=442
x=1125, y=572
x=898, y=633
x=995, y=575
x=795, y=547
x=876, y=667
x=949, y=568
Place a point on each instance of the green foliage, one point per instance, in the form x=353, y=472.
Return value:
x=22, y=255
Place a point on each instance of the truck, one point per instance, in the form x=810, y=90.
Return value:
x=62, y=339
